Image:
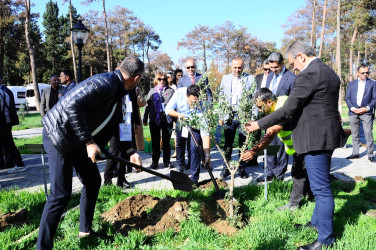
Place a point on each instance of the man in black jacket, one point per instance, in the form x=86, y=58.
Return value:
x=74, y=129
x=313, y=107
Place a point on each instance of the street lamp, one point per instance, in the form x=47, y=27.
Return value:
x=80, y=34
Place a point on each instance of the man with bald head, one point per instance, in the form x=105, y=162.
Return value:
x=232, y=87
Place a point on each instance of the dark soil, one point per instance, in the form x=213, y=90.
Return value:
x=207, y=184
x=17, y=218
x=148, y=213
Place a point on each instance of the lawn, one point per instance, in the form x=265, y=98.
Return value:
x=265, y=227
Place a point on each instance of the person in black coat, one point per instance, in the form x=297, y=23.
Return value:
x=317, y=131
x=74, y=130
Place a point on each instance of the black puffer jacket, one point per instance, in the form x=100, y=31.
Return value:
x=71, y=121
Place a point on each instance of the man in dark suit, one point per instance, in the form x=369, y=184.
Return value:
x=313, y=107
x=280, y=81
x=360, y=99
x=51, y=95
x=261, y=78
x=9, y=118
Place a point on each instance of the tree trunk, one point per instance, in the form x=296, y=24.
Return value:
x=231, y=193
x=365, y=50
x=32, y=55
x=338, y=56
x=313, y=30
x=106, y=37
x=323, y=28
x=351, y=55
x=71, y=42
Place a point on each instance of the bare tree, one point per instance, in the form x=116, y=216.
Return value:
x=338, y=55
x=323, y=27
x=313, y=28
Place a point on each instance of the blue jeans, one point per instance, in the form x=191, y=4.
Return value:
x=218, y=134
x=318, y=169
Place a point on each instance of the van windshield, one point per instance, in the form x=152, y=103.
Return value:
x=29, y=93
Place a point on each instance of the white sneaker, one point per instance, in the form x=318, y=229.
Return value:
x=16, y=170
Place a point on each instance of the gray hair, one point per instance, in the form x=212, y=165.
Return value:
x=299, y=47
x=132, y=66
x=276, y=57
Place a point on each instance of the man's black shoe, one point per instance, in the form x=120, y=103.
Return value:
x=243, y=174
x=224, y=173
x=261, y=179
x=154, y=165
x=308, y=225
x=352, y=157
x=316, y=245
x=169, y=165
x=371, y=159
x=124, y=184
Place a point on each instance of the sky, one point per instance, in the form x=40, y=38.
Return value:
x=173, y=19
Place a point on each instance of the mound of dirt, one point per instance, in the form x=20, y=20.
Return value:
x=148, y=213
x=13, y=218
x=207, y=184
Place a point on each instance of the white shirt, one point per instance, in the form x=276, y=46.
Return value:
x=236, y=90
x=263, y=83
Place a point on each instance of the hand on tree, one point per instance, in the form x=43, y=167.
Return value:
x=248, y=155
x=251, y=126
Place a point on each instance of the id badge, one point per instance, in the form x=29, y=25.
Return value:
x=163, y=107
x=184, y=132
x=128, y=105
x=125, y=132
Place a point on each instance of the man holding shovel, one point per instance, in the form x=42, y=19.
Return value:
x=74, y=130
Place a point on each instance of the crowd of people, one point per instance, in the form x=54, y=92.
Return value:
x=301, y=116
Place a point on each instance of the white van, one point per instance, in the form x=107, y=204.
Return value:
x=19, y=93
x=30, y=98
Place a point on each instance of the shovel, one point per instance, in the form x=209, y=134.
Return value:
x=219, y=194
x=179, y=180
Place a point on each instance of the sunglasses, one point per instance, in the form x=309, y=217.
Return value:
x=161, y=79
x=267, y=69
x=363, y=73
x=191, y=67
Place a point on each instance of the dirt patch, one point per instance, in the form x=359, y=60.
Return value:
x=13, y=218
x=148, y=213
x=207, y=184
x=223, y=227
x=371, y=213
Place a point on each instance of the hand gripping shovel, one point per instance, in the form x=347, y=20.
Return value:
x=179, y=180
x=219, y=194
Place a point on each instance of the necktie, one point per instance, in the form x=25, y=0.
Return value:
x=193, y=79
x=273, y=87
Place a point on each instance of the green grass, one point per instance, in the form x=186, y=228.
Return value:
x=20, y=143
x=265, y=227
x=29, y=121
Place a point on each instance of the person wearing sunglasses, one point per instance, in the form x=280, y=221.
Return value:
x=156, y=101
x=261, y=78
x=360, y=99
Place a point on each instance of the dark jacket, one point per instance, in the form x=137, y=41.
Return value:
x=71, y=121
x=150, y=109
x=258, y=79
x=45, y=99
x=369, y=96
x=11, y=106
x=286, y=83
x=313, y=107
x=185, y=81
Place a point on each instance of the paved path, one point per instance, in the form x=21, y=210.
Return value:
x=32, y=179
x=27, y=132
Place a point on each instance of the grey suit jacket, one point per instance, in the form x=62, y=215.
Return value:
x=285, y=85
x=45, y=99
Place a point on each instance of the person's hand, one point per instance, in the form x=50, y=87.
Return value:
x=251, y=126
x=92, y=150
x=248, y=155
x=208, y=161
x=136, y=159
x=220, y=122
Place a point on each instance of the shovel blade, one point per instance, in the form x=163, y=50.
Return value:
x=182, y=181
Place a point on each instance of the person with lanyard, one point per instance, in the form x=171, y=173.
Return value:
x=156, y=101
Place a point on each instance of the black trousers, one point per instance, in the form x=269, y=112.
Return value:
x=155, y=132
x=277, y=164
x=111, y=164
x=10, y=150
x=61, y=172
x=300, y=182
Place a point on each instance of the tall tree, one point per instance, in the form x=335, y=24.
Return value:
x=313, y=28
x=338, y=55
x=323, y=28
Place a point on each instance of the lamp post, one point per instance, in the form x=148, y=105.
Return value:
x=80, y=34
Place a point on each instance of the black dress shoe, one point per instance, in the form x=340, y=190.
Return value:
x=169, y=165
x=308, y=225
x=316, y=245
x=261, y=179
x=243, y=174
x=352, y=157
x=371, y=159
x=225, y=172
x=124, y=184
x=154, y=165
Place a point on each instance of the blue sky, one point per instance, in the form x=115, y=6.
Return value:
x=172, y=19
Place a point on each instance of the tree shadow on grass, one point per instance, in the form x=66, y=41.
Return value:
x=354, y=206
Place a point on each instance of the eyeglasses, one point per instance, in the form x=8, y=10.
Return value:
x=364, y=73
x=161, y=79
x=191, y=67
x=267, y=69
